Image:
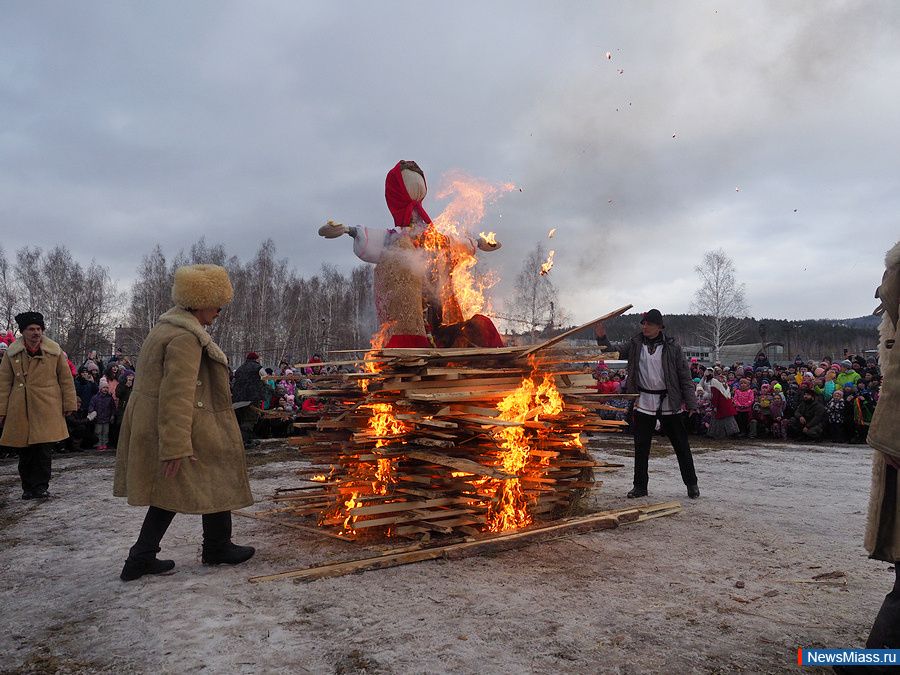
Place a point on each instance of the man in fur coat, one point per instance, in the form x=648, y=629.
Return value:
x=36, y=393
x=883, y=527
x=180, y=448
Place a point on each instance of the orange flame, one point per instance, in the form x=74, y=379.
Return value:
x=376, y=342
x=351, y=503
x=489, y=238
x=547, y=266
x=383, y=423
x=509, y=510
x=460, y=289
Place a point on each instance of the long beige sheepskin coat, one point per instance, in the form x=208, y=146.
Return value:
x=883, y=527
x=181, y=408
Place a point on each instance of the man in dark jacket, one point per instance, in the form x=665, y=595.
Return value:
x=248, y=392
x=247, y=384
x=762, y=361
x=658, y=372
x=809, y=417
x=85, y=389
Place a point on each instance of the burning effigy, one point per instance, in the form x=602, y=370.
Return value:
x=426, y=292
x=446, y=431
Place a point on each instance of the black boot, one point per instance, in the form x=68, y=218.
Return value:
x=637, y=492
x=142, y=556
x=135, y=568
x=217, y=546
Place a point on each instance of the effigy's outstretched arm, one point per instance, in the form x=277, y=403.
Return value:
x=332, y=230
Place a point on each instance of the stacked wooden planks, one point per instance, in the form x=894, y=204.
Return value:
x=449, y=441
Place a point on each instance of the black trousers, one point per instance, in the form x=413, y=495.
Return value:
x=743, y=422
x=216, y=532
x=885, y=632
x=34, y=466
x=673, y=426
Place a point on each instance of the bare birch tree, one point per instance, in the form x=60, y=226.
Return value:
x=535, y=302
x=81, y=305
x=151, y=292
x=10, y=292
x=719, y=301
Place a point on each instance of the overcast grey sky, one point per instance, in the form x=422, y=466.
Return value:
x=767, y=128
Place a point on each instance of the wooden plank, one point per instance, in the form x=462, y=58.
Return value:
x=294, y=526
x=459, y=463
x=424, y=421
x=410, y=517
x=562, y=336
x=476, y=371
x=491, y=395
x=472, y=410
x=473, y=383
x=407, y=506
x=603, y=520
x=489, y=421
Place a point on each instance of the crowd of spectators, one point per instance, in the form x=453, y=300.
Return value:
x=809, y=400
x=104, y=386
x=816, y=400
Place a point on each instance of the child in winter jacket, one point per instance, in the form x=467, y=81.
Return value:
x=762, y=411
x=102, y=411
x=835, y=411
x=743, y=400
x=777, y=412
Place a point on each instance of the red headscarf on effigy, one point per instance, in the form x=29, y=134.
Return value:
x=399, y=202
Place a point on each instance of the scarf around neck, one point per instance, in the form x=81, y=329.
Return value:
x=652, y=343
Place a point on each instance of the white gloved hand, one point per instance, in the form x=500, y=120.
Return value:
x=331, y=230
x=92, y=415
x=486, y=246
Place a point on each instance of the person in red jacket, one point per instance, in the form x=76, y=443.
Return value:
x=311, y=406
x=723, y=423
x=605, y=385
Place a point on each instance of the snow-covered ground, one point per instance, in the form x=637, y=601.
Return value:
x=716, y=588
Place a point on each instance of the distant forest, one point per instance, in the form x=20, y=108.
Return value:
x=811, y=338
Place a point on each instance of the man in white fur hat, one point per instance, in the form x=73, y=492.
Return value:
x=180, y=449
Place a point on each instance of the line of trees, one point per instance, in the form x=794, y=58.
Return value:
x=80, y=304
x=810, y=338
x=275, y=311
x=281, y=314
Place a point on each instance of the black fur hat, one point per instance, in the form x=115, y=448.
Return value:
x=26, y=319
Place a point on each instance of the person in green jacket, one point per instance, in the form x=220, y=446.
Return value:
x=847, y=374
